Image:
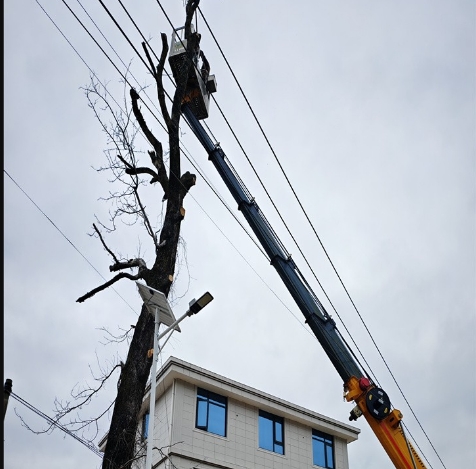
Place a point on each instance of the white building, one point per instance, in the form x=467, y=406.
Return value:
x=204, y=420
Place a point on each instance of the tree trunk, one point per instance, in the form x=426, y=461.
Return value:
x=121, y=439
x=120, y=447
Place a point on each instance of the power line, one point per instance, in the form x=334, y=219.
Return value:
x=317, y=237
x=315, y=232
x=189, y=157
x=57, y=424
x=195, y=165
x=64, y=236
x=184, y=150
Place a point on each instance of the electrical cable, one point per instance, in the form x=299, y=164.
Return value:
x=117, y=55
x=116, y=23
x=227, y=207
x=230, y=127
x=310, y=225
x=195, y=165
x=55, y=423
x=404, y=430
x=65, y=237
x=271, y=199
x=319, y=240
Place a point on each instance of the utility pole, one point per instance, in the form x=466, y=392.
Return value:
x=7, y=389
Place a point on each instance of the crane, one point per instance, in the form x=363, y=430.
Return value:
x=370, y=401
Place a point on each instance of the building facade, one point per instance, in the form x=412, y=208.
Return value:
x=204, y=420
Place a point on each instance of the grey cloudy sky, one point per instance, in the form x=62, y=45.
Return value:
x=370, y=108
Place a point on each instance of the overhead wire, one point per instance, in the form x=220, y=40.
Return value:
x=315, y=233
x=268, y=194
x=243, y=150
x=194, y=164
x=112, y=97
x=289, y=183
x=309, y=221
x=216, y=193
x=65, y=237
x=55, y=423
x=186, y=153
x=117, y=55
x=239, y=143
x=191, y=160
x=266, y=191
x=222, y=112
x=278, y=211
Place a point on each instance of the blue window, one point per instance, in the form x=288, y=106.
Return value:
x=271, y=432
x=145, y=426
x=211, y=412
x=322, y=449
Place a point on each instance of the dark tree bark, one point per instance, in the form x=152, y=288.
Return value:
x=121, y=439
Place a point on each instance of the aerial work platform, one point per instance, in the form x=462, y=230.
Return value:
x=200, y=84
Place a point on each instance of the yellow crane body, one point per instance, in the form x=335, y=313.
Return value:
x=374, y=405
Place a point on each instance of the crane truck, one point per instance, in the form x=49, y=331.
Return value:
x=371, y=402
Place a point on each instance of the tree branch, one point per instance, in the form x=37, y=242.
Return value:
x=144, y=170
x=161, y=174
x=158, y=79
x=140, y=119
x=108, y=284
x=158, y=152
x=128, y=265
x=188, y=180
x=104, y=244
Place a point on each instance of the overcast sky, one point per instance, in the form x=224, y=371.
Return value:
x=370, y=109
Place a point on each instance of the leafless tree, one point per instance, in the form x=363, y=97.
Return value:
x=120, y=449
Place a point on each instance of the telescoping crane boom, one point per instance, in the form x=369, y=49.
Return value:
x=371, y=402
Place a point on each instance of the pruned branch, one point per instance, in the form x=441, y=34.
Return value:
x=158, y=79
x=158, y=160
x=190, y=8
x=140, y=119
x=144, y=170
x=108, y=284
x=133, y=170
x=128, y=265
x=161, y=174
x=187, y=181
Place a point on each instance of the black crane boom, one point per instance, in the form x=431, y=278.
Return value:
x=322, y=325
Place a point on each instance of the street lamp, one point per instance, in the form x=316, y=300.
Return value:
x=157, y=305
x=196, y=305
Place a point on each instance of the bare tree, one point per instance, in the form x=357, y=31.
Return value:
x=121, y=439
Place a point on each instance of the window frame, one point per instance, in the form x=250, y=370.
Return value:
x=275, y=421
x=326, y=444
x=212, y=401
x=145, y=426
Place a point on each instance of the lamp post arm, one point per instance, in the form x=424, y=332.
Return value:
x=173, y=325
